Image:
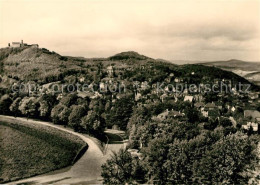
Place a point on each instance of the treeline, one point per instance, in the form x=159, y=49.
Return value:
x=69, y=111
x=83, y=114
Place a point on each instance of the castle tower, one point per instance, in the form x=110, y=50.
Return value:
x=21, y=43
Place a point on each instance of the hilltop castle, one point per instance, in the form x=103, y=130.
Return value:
x=21, y=44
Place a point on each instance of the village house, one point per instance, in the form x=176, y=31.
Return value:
x=147, y=100
x=210, y=106
x=167, y=88
x=91, y=95
x=144, y=85
x=168, y=114
x=108, y=80
x=178, y=80
x=176, y=114
x=233, y=109
x=171, y=75
x=216, y=81
x=138, y=96
x=142, y=67
x=185, y=91
x=59, y=97
x=50, y=87
x=110, y=71
x=193, y=89
x=135, y=153
x=154, y=86
x=188, y=98
x=234, y=91
x=252, y=114
x=230, y=107
x=169, y=78
x=102, y=87
x=199, y=105
x=227, y=81
x=234, y=122
x=154, y=91
x=198, y=98
x=162, y=116
x=210, y=110
x=120, y=96
x=253, y=96
x=81, y=79
x=250, y=124
x=115, y=127
x=219, y=105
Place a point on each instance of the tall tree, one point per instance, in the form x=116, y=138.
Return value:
x=29, y=107
x=93, y=123
x=60, y=114
x=14, y=107
x=120, y=113
x=122, y=169
x=5, y=102
x=229, y=157
x=75, y=116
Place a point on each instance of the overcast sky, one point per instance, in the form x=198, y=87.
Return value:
x=169, y=29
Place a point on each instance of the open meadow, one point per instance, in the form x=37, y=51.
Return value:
x=29, y=150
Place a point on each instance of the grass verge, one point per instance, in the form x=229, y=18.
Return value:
x=29, y=149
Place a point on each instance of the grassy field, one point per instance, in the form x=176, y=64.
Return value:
x=28, y=150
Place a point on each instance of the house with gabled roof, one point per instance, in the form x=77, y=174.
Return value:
x=253, y=95
x=210, y=106
x=219, y=105
x=188, y=98
x=199, y=105
x=110, y=70
x=176, y=114
x=253, y=114
x=210, y=110
x=250, y=124
x=162, y=116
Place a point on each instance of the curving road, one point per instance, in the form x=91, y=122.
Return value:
x=87, y=170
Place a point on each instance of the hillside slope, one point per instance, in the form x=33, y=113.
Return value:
x=29, y=63
x=248, y=70
x=42, y=66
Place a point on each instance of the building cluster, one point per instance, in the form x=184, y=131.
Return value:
x=21, y=44
x=243, y=103
x=225, y=104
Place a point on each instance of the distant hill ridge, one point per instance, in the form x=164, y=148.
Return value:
x=248, y=70
x=44, y=66
x=128, y=55
x=234, y=63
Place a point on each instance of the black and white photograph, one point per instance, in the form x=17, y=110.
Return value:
x=128, y=92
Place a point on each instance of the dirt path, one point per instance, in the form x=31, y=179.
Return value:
x=87, y=170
